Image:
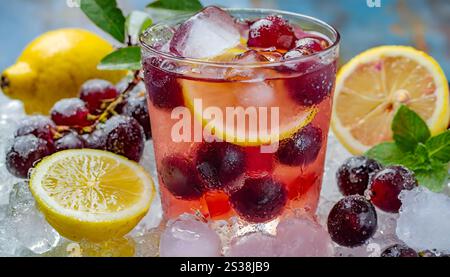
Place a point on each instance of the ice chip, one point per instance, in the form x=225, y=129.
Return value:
x=252, y=245
x=147, y=245
x=424, y=221
x=206, y=34
x=154, y=215
x=336, y=155
x=189, y=237
x=28, y=226
x=301, y=237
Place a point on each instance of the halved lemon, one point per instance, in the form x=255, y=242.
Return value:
x=265, y=104
x=373, y=85
x=91, y=194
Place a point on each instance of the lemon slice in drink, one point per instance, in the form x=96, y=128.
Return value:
x=91, y=194
x=247, y=102
x=373, y=85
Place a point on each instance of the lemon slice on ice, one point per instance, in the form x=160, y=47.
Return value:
x=91, y=194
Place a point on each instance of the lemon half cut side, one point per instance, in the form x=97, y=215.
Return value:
x=373, y=85
x=91, y=194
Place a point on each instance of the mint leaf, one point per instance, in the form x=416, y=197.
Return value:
x=421, y=154
x=128, y=58
x=386, y=153
x=186, y=5
x=136, y=23
x=435, y=178
x=439, y=147
x=106, y=15
x=409, y=129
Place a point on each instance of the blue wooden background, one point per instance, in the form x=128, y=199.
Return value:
x=424, y=24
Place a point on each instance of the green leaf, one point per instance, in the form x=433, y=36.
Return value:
x=386, y=153
x=439, y=147
x=106, y=15
x=435, y=178
x=136, y=23
x=128, y=58
x=409, y=129
x=422, y=154
x=185, y=5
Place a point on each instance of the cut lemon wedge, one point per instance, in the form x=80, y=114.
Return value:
x=247, y=102
x=373, y=85
x=91, y=194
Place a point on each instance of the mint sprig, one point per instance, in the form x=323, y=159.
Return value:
x=415, y=149
x=409, y=129
x=126, y=30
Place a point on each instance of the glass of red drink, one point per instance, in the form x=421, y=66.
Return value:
x=240, y=104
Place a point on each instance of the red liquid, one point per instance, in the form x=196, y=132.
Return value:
x=302, y=183
x=220, y=180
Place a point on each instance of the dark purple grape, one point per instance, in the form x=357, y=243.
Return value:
x=302, y=148
x=309, y=45
x=352, y=221
x=40, y=126
x=385, y=187
x=70, y=141
x=96, y=139
x=162, y=87
x=70, y=112
x=399, y=251
x=122, y=135
x=272, y=31
x=25, y=152
x=95, y=92
x=179, y=178
x=353, y=176
x=259, y=200
x=219, y=164
x=137, y=108
x=312, y=88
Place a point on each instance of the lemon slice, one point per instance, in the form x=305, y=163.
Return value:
x=373, y=85
x=234, y=99
x=91, y=194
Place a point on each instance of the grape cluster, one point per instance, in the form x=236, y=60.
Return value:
x=83, y=122
x=366, y=185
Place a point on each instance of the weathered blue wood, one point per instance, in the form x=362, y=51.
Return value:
x=420, y=23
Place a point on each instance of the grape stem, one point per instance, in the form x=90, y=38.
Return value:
x=110, y=109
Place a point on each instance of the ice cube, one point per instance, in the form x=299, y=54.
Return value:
x=295, y=237
x=251, y=72
x=159, y=37
x=189, y=237
x=258, y=94
x=206, y=34
x=27, y=224
x=301, y=237
x=424, y=221
x=252, y=245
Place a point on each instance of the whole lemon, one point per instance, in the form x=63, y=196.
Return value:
x=54, y=66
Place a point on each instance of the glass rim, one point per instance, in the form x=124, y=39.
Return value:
x=169, y=56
